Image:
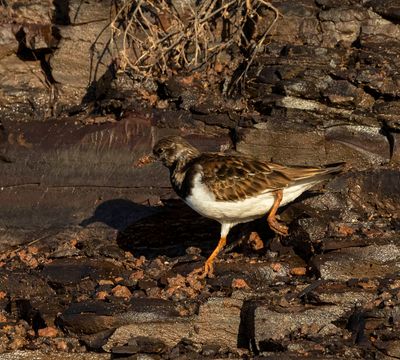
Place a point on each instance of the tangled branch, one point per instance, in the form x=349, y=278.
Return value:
x=166, y=36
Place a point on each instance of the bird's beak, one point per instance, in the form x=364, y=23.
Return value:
x=144, y=160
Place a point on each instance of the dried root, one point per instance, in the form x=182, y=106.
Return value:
x=164, y=37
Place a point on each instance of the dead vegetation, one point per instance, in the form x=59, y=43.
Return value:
x=166, y=37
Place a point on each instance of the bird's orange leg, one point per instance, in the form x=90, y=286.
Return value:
x=209, y=266
x=272, y=222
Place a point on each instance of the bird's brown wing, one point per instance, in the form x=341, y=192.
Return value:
x=236, y=177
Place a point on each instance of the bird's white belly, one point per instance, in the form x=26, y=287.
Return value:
x=203, y=201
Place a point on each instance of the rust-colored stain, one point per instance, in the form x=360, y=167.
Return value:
x=23, y=142
x=19, y=140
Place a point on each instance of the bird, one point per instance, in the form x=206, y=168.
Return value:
x=234, y=188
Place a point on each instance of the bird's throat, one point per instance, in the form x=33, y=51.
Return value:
x=180, y=180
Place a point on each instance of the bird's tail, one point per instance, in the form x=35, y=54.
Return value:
x=334, y=169
x=313, y=174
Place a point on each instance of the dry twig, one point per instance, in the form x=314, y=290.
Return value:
x=168, y=36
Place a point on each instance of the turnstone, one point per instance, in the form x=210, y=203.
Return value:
x=233, y=189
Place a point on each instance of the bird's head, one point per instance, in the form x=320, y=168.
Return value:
x=172, y=149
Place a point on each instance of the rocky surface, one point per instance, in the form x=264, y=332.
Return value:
x=95, y=253
x=329, y=290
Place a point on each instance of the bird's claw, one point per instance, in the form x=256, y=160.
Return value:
x=204, y=272
x=278, y=228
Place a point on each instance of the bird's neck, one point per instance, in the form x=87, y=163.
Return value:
x=178, y=172
x=184, y=157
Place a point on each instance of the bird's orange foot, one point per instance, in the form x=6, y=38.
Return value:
x=277, y=227
x=207, y=271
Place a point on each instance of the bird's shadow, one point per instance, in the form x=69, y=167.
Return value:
x=154, y=231
x=119, y=213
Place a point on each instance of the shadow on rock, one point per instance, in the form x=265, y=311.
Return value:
x=119, y=213
x=153, y=231
x=169, y=231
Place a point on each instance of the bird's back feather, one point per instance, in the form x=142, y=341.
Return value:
x=237, y=177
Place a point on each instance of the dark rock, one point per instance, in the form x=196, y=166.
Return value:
x=92, y=317
x=210, y=350
x=140, y=344
x=19, y=284
x=72, y=271
x=378, y=80
x=343, y=93
x=388, y=9
x=146, y=284
x=223, y=120
x=97, y=340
